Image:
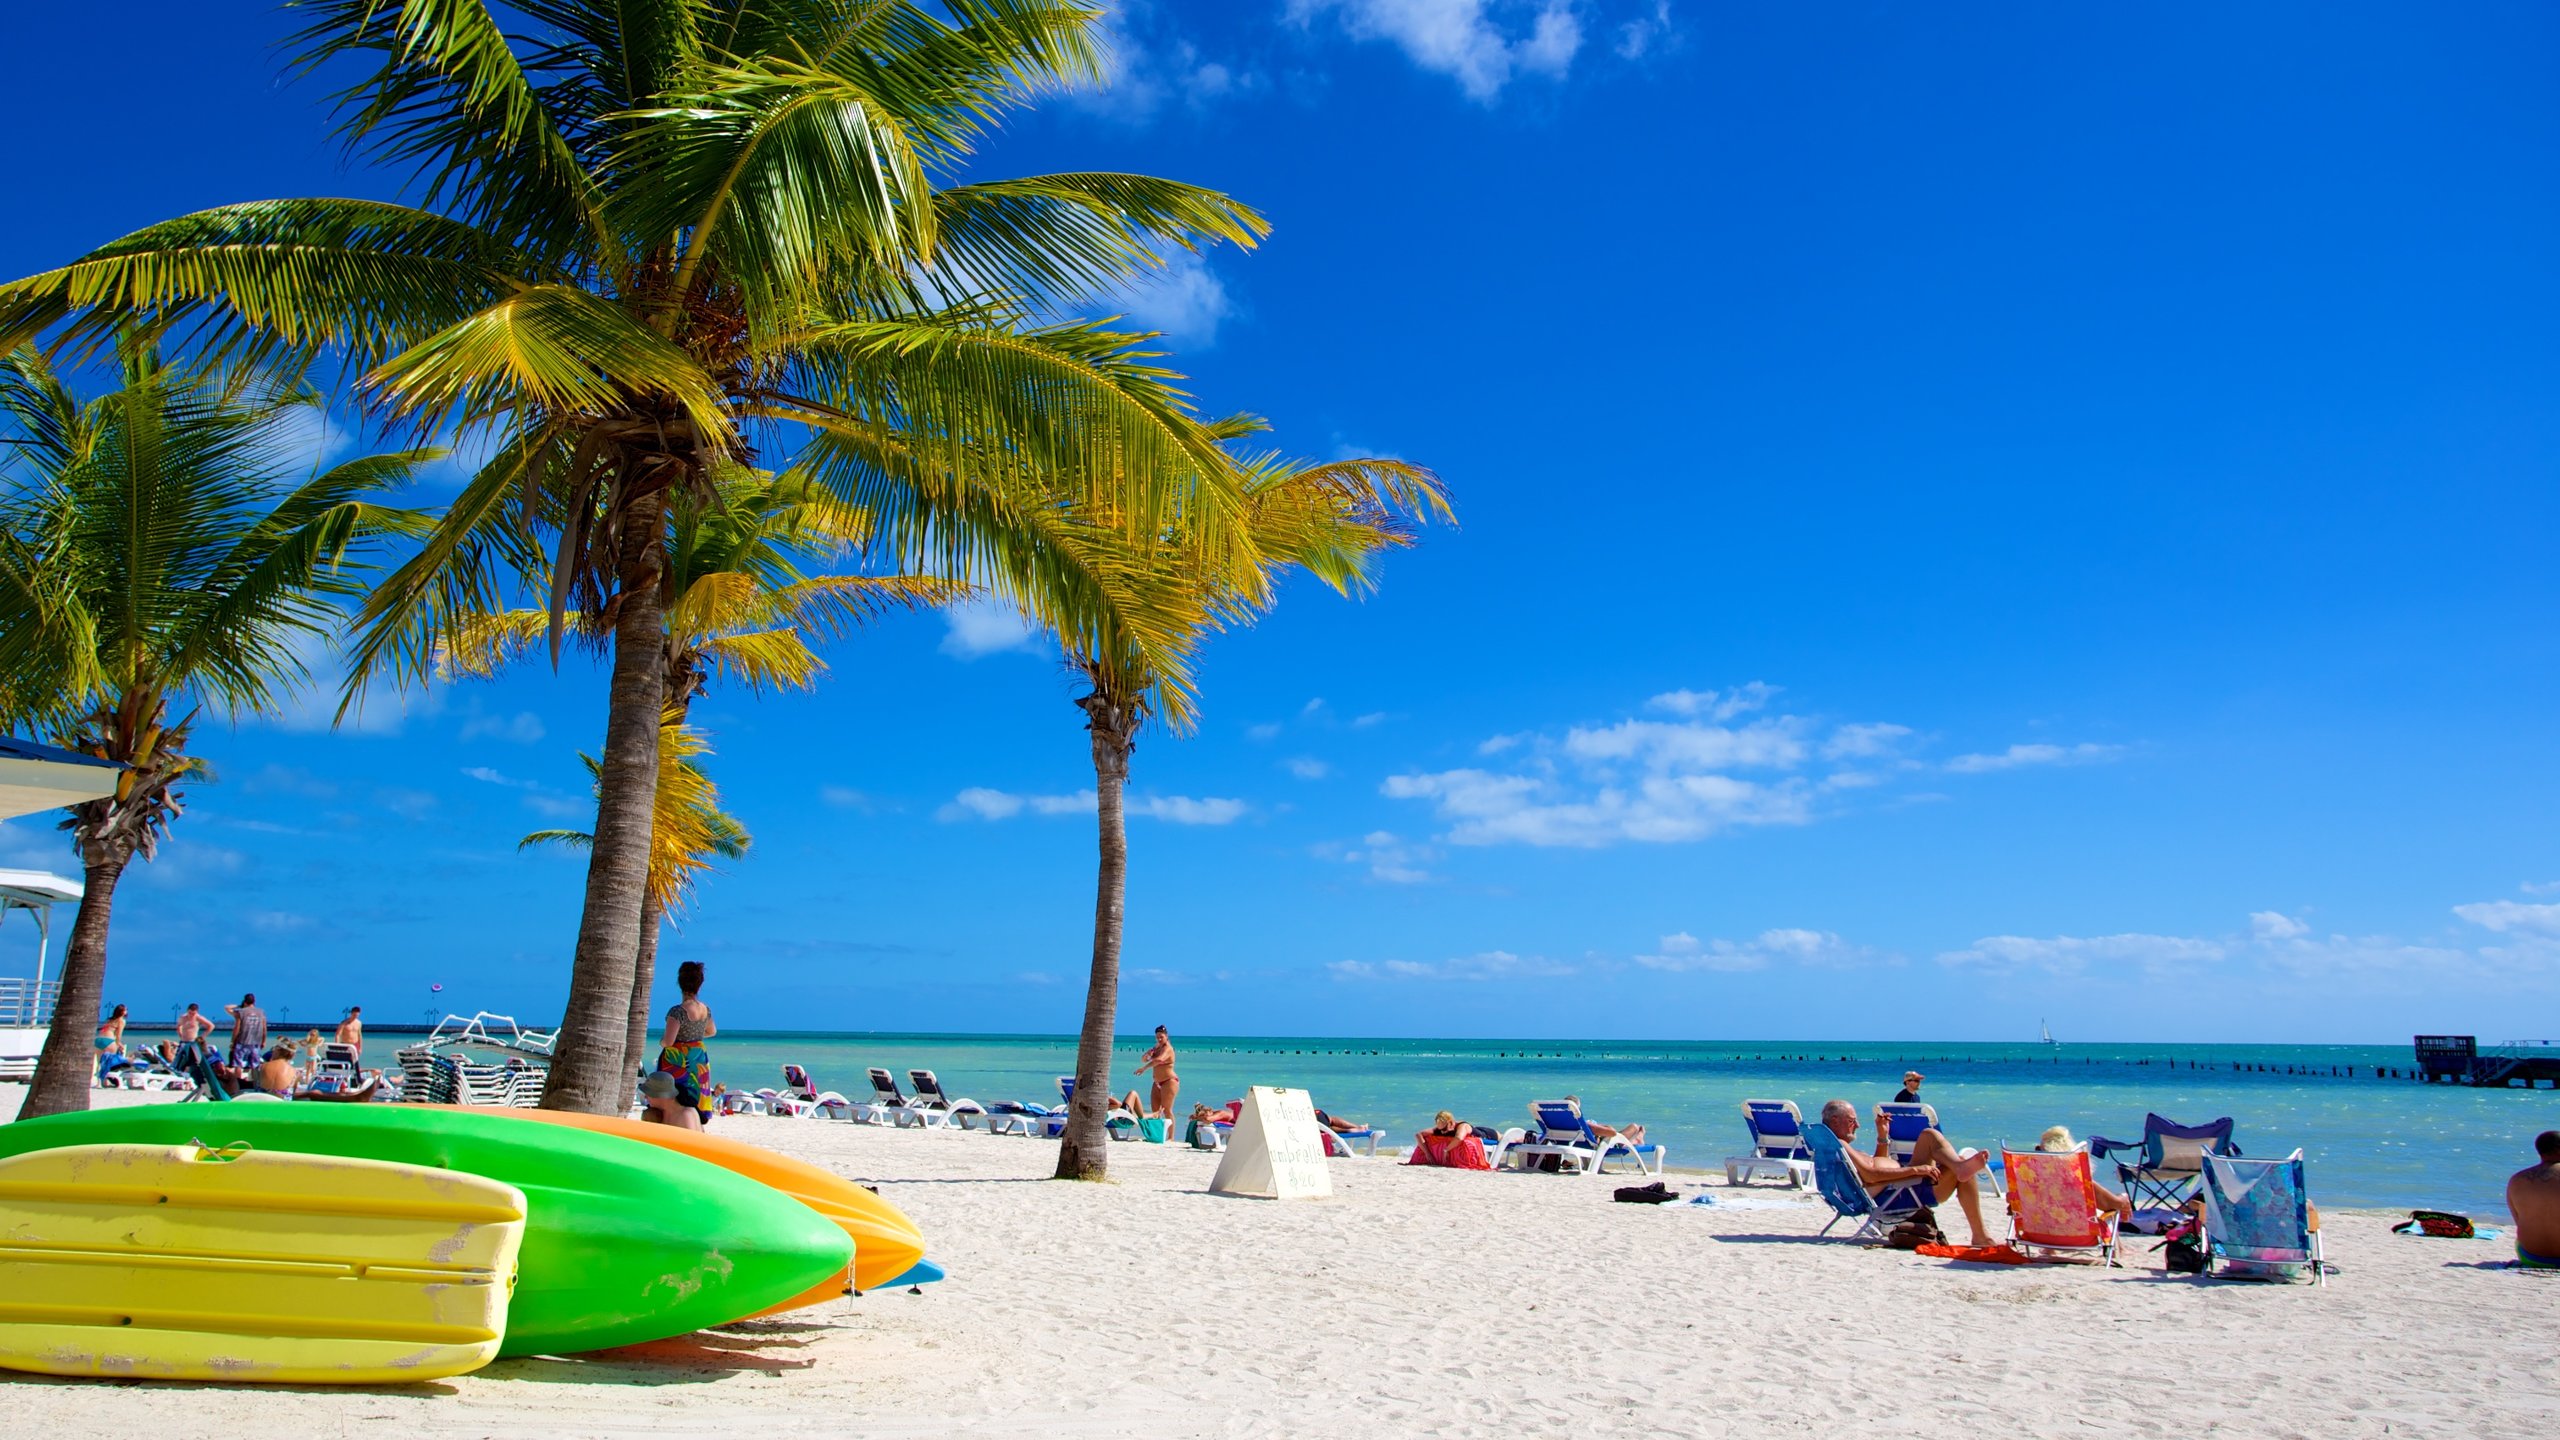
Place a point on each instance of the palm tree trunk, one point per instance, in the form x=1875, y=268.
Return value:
x=644, y=973
x=1083, y=1152
x=588, y=1069
x=69, y=1064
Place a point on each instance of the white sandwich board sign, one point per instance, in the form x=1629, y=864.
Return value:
x=1275, y=1150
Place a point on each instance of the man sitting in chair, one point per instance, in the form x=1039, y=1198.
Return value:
x=1934, y=1163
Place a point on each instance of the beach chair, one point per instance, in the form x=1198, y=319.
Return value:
x=1902, y=1123
x=2257, y=1219
x=1776, y=1128
x=800, y=1096
x=1838, y=1184
x=1119, y=1124
x=1563, y=1133
x=888, y=1104
x=1366, y=1136
x=934, y=1110
x=2052, y=1207
x=2161, y=1170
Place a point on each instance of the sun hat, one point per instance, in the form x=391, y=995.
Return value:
x=659, y=1086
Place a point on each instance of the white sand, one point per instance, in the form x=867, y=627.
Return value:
x=1447, y=1303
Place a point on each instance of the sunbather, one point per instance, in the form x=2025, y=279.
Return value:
x=2058, y=1141
x=1934, y=1164
x=1632, y=1134
x=2533, y=1198
x=277, y=1076
x=1340, y=1126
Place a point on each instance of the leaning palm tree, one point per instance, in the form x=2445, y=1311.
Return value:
x=740, y=604
x=655, y=236
x=1330, y=520
x=687, y=831
x=156, y=558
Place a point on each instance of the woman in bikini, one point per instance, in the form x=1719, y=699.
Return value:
x=1167, y=1084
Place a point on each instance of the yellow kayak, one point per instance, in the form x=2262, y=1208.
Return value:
x=179, y=1263
x=886, y=1244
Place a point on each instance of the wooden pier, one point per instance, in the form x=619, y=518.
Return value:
x=2459, y=1060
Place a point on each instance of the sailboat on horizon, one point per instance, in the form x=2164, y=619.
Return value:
x=2048, y=1034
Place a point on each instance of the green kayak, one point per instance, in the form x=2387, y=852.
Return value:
x=623, y=1242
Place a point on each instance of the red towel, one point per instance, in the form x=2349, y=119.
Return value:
x=1979, y=1254
x=1452, y=1152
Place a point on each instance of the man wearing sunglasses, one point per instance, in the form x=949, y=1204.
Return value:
x=1934, y=1163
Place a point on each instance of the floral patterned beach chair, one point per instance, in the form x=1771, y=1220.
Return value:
x=2257, y=1220
x=2052, y=1207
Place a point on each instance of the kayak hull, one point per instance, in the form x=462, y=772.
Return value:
x=622, y=1242
x=178, y=1263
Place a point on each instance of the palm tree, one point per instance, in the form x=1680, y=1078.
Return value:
x=655, y=234
x=688, y=830
x=154, y=557
x=737, y=603
x=1331, y=520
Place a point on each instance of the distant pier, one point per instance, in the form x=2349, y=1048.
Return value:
x=2459, y=1060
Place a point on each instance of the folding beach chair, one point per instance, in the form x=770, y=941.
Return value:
x=1838, y=1183
x=2257, y=1219
x=2052, y=1207
x=1565, y=1134
x=938, y=1109
x=2162, y=1169
x=1902, y=1124
x=1776, y=1128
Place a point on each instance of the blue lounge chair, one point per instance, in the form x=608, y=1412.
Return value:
x=1902, y=1123
x=2257, y=1219
x=1778, y=1148
x=1838, y=1182
x=2163, y=1168
x=1563, y=1133
x=1119, y=1124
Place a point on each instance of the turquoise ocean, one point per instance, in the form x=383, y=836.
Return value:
x=2369, y=1142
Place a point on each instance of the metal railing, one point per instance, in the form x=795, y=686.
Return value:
x=28, y=1002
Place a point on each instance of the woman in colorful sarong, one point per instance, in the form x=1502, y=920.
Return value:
x=689, y=1023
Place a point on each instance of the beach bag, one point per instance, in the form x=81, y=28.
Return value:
x=2442, y=1224
x=1654, y=1194
x=1921, y=1229
x=2185, y=1255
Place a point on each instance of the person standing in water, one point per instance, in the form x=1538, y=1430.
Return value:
x=689, y=1023
x=1168, y=1085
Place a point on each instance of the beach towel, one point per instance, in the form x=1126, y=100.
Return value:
x=1449, y=1152
x=1978, y=1254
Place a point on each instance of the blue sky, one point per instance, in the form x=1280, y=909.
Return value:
x=1969, y=516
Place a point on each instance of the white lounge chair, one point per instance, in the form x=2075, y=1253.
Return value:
x=1563, y=1133
x=943, y=1111
x=1778, y=1147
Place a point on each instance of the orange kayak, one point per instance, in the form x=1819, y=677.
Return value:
x=886, y=1244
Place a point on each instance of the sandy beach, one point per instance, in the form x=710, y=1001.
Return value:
x=1427, y=1302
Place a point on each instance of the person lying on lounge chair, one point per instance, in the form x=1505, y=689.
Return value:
x=1632, y=1134
x=1338, y=1125
x=1934, y=1163
x=2058, y=1141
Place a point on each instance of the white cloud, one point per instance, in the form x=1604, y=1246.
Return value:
x=524, y=727
x=1487, y=965
x=2511, y=917
x=1182, y=298
x=1391, y=860
x=1640, y=36
x=2018, y=756
x=1488, y=809
x=2546, y=887
x=1467, y=40
x=1716, y=705
x=985, y=626
x=980, y=803
x=1500, y=743
x=1265, y=731
x=2276, y=925
x=1151, y=66
x=1373, y=718
x=845, y=797
x=1311, y=709
x=1763, y=744
x=1858, y=742
x=1812, y=948
x=312, y=705
x=2153, y=955
x=1307, y=767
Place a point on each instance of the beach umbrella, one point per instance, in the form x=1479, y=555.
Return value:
x=37, y=777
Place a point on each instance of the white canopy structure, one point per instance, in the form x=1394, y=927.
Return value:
x=26, y=1004
x=37, y=777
